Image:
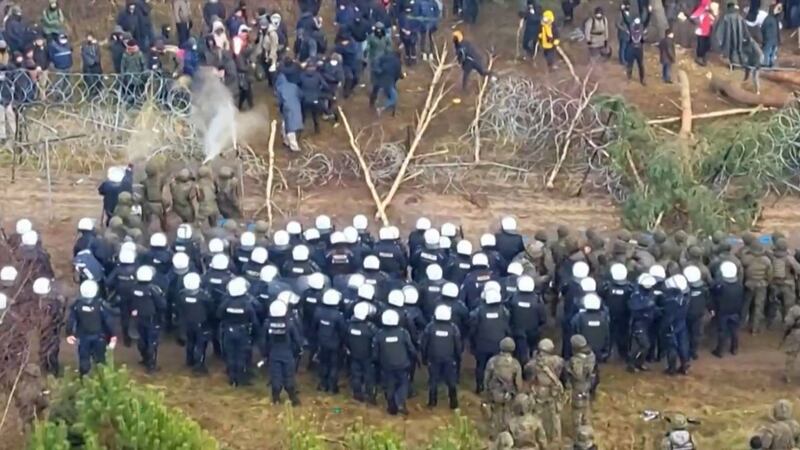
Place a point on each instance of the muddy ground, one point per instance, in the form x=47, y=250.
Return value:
x=730, y=396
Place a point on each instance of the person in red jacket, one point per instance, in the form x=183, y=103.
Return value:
x=703, y=17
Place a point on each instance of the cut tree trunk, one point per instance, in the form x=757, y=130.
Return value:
x=733, y=91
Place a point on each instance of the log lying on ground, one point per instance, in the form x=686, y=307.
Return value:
x=733, y=91
x=791, y=78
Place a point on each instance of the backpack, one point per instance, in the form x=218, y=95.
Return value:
x=680, y=440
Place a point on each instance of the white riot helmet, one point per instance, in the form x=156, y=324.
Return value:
x=316, y=281
x=360, y=222
x=366, y=291
x=592, y=301
x=488, y=240
x=390, y=318
x=216, y=245
x=728, y=271
x=89, y=289
x=525, y=284
x=145, y=274
x=492, y=285
x=184, y=231
x=220, y=262
x=423, y=223
x=268, y=273
x=247, y=239
x=508, y=224
x=396, y=298
x=361, y=310
x=515, y=268
x=237, y=287
x=337, y=237
x=350, y=235
x=450, y=290
x=395, y=232
x=618, y=272
x=259, y=255
x=443, y=313
x=294, y=228
x=385, y=234
x=23, y=226
x=191, y=281
x=8, y=274
x=115, y=174
x=480, y=260
x=445, y=242
x=41, y=286
x=492, y=297
x=278, y=309
x=646, y=281
x=86, y=224
x=588, y=284
x=285, y=297
x=692, y=274
x=431, y=237
x=331, y=297
x=127, y=256
x=323, y=223
x=300, y=253
x=449, y=230
x=311, y=234
x=280, y=238
x=580, y=269
x=657, y=271
x=464, y=247
x=180, y=261
x=158, y=240
x=30, y=238
x=433, y=272
x=128, y=246
x=355, y=281
x=372, y=262
x=410, y=295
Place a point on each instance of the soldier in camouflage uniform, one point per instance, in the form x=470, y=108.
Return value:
x=153, y=187
x=783, y=433
x=757, y=277
x=525, y=426
x=544, y=371
x=791, y=341
x=503, y=441
x=642, y=256
x=261, y=229
x=134, y=225
x=580, y=374
x=748, y=239
x=228, y=194
x=503, y=379
x=207, y=210
x=124, y=206
x=681, y=239
x=785, y=270
x=116, y=226
x=537, y=262
x=678, y=437
x=184, y=196
x=584, y=439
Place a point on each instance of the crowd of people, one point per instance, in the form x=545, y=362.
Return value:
x=379, y=307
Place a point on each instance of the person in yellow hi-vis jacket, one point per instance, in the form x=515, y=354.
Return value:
x=548, y=38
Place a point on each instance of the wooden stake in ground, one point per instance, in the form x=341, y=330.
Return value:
x=568, y=137
x=476, y=129
x=568, y=63
x=273, y=126
x=364, y=168
x=436, y=92
x=686, y=105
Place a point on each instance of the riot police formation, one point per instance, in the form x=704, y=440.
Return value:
x=372, y=309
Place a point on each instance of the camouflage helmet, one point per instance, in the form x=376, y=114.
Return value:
x=695, y=252
x=577, y=342
x=781, y=245
x=225, y=172
x=717, y=237
x=571, y=244
x=591, y=234
x=183, y=175
x=681, y=237
x=778, y=235
x=756, y=248
x=541, y=236
x=562, y=231
x=619, y=248
x=507, y=345
x=151, y=169
x=125, y=198
x=782, y=410
x=659, y=236
x=204, y=172
x=584, y=435
x=748, y=238
x=546, y=346
x=534, y=249
x=678, y=422
x=135, y=234
x=134, y=221
x=115, y=223
x=230, y=225
x=724, y=246
x=261, y=227
x=643, y=239
x=624, y=235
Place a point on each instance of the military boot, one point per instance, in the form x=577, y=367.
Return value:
x=276, y=396
x=293, y=397
x=432, y=400
x=453, y=393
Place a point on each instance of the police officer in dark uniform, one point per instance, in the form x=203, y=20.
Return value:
x=358, y=342
x=489, y=247
x=416, y=239
x=698, y=304
x=673, y=331
x=441, y=346
x=281, y=250
x=241, y=254
x=195, y=309
x=159, y=256
x=339, y=259
x=431, y=289
x=642, y=308
x=373, y=275
x=251, y=270
x=459, y=264
x=214, y=282
x=489, y=324
x=592, y=322
x=300, y=264
x=616, y=292
x=428, y=254
x=184, y=243
x=508, y=283
x=476, y=279
x=330, y=327
x=727, y=301
x=267, y=287
x=174, y=284
x=281, y=343
x=237, y=320
x=528, y=316
x=310, y=301
x=458, y=310
x=148, y=306
x=394, y=353
x=317, y=246
x=390, y=252
x=120, y=283
x=89, y=324
x=572, y=292
x=509, y=242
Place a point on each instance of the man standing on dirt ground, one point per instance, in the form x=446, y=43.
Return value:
x=184, y=196
x=666, y=50
x=580, y=373
x=635, y=50
x=89, y=325
x=207, y=210
x=548, y=39
x=228, y=195
x=469, y=58
x=153, y=185
x=546, y=369
x=757, y=277
x=393, y=352
x=148, y=306
x=783, y=432
x=791, y=341
x=118, y=180
x=503, y=378
x=596, y=32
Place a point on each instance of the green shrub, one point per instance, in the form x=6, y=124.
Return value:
x=301, y=431
x=362, y=437
x=459, y=434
